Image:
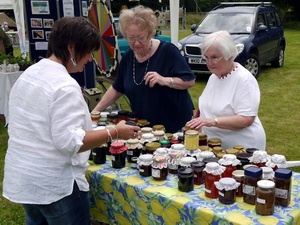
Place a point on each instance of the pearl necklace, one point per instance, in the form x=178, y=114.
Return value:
x=133, y=67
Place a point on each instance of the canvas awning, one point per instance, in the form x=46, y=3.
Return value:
x=5, y=18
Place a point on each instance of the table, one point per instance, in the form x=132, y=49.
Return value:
x=122, y=196
x=7, y=80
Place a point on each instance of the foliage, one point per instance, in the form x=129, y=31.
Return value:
x=22, y=60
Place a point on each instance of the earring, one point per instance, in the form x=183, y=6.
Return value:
x=73, y=62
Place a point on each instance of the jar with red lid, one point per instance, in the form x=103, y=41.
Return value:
x=252, y=175
x=118, y=154
x=159, y=166
x=230, y=162
x=185, y=179
x=123, y=115
x=213, y=173
x=144, y=163
x=259, y=158
x=238, y=175
x=227, y=190
x=283, y=185
x=198, y=168
x=134, y=148
x=265, y=197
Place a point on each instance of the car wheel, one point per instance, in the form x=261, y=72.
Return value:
x=252, y=64
x=279, y=60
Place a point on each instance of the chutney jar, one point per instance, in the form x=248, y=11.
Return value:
x=259, y=158
x=227, y=190
x=252, y=175
x=283, y=184
x=213, y=173
x=238, y=175
x=144, y=163
x=265, y=197
x=134, y=148
x=174, y=160
x=151, y=147
x=159, y=169
x=230, y=162
x=118, y=154
x=185, y=179
x=99, y=154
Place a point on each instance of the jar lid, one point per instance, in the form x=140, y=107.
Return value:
x=251, y=150
x=277, y=160
x=112, y=115
x=178, y=146
x=152, y=146
x=186, y=161
x=202, y=135
x=143, y=122
x=132, y=114
x=146, y=129
x=206, y=154
x=133, y=141
x=158, y=132
x=238, y=147
x=174, y=141
x=191, y=132
x=164, y=142
x=160, y=158
x=248, y=165
x=145, y=159
x=123, y=113
x=170, y=136
x=214, y=140
x=210, y=159
x=227, y=183
x=117, y=147
x=259, y=157
x=283, y=173
x=158, y=127
x=232, y=151
x=185, y=171
x=229, y=159
x=134, y=159
x=243, y=156
x=95, y=113
x=238, y=173
x=214, y=168
x=265, y=184
x=104, y=114
x=266, y=169
x=161, y=151
x=197, y=164
x=204, y=148
x=217, y=149
x=253, y=171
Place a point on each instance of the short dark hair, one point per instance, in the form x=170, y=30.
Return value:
x=77, y=31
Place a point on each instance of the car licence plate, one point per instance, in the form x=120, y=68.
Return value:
x=196, y=61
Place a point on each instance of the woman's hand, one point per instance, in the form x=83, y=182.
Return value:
x=126, y=132
x=153, y=78
x=199, y=122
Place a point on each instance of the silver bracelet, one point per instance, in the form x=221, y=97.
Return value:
x=109, y=137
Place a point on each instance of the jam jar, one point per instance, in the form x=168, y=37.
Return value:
x=134, y=148
x=159, y=135
x=240, y=148
x=123, y=115
x=198, y=168
x=213, y=142
x=206, y=154
x=145, y=130
x=151, y=147
x=227, y=190
x=118, y=154
x=165, y=143
x=267, y=173
x=174, y=160
x=146, y=138
x=252, y=176
x=132, y=116
x=113, y=118
x=283, y=185
x=191, y=140
x=276, y=161
x=251, y=150
x=144, y=163
x=99, y=154
x=230, y=162
x=143, y=123
x=265, y=197
x=238, y=175
x=186, y=161
x=202, y=139
x=185, y=179
x=159, y=127
x=244, y=158
x=160, y=167
x=259, y=158
x=213, y=173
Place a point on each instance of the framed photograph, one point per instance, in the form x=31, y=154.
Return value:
x=47, y=33
x=36, y=22
x=37, y=34
x=48, y=23
x=40, y=7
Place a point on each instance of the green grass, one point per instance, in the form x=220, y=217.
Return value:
x=279, y=113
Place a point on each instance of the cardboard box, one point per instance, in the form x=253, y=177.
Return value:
x=92, y=96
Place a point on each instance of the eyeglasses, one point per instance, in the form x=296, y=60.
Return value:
x=212, y=59
x=139, y=39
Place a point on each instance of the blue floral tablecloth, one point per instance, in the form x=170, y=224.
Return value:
x=122, y=196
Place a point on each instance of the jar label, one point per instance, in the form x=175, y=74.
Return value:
x=249, y=190
x=281, y=193
x=261, y=201
x=113, y=158
x=207, y=191
x=221, y=194
x=142, y=170
x=129, y=152
x=155, y=173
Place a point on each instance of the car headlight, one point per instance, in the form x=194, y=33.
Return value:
x=240, y=47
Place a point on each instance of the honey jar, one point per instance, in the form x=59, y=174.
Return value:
x=191, y=140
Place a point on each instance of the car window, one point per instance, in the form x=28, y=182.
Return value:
x=232, y=22
x=271, y=19
x=261, y=20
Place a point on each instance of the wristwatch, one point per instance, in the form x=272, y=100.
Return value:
x=216, y=121
x=171, y=82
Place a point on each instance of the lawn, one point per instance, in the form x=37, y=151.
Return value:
x=279, y=113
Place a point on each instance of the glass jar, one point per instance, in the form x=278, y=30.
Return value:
x=213, y=173
x=198, y=168
x=113, y=118
x=134, y=162
x=132, y=116
x=145, y=130
x=146, y=138
x=174, y=160
x=267, y=173
x=265, y=197
x=159, y=135
x=252, y=175
x=202, y=139
x=227, y=190
x=134, y=149
x=244, y=159
x=123, y=115
x=259, y=158
x=283, y=184
x=165, y=143
x=95, y=116
x=213, y=142
x=191, y=140
x=151, y=147
x=186, y=161
x=185, y=179
x=230, y=162
x=118, y=154
x=251, y=150
x=159, y=169
x=276, y=161
x=238, y=175
x=158, y=127
x=99, y=154
x=144, y=164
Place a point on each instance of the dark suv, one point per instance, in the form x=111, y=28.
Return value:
x=255, y=27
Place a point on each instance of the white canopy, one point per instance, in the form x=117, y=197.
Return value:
x=6, y=5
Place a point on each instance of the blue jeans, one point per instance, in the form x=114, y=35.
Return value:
x=71, y=210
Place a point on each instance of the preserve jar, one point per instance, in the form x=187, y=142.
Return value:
x=218, y=149
x=151, y=147
x=259, y=158
x=238, y=175
x=118, y=154
x=144, y=163
x=244, y=159
x=159, y=135
x=134, y=148
x=230, y=162
x=213, y=173
x=191, y=140
x=169, y=136
x=143, y=123
x=123, y=115
x=265, y=197
x=113, y=118
x=227, y=190
x=206, y=154
x=283, y=184
x=232, y=151
x=159, y=169
x=198, y=168
x=159, y=127
x=165, y=143
x=174, y=160
x=202, y=139
x=252, y=176
x=132, y=116
x=267, y=173
x=240, y=148
x=145, y=130
x=276, y=161
x=134, y=162
x=213, y=142
x=185, y=179
x=251, y=150
x=186, y=161
x=99, y=154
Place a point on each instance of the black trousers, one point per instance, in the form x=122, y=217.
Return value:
x=9, y=51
